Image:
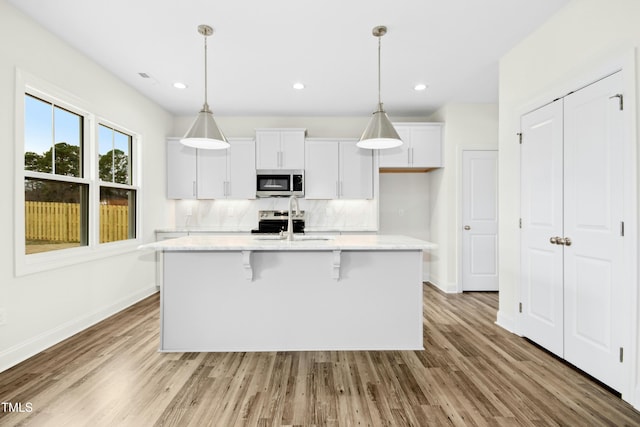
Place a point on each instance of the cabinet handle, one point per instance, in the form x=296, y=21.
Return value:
x=554, y=240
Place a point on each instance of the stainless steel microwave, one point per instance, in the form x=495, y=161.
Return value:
x=279, y=183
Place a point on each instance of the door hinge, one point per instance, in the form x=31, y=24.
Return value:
x=622, y=228
x=520, y=223
x=621, y=354
x=520, y=307
x=620, y=98
x=519, y=137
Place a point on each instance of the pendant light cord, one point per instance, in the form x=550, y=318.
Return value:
x=379, y=78
x=206, y=105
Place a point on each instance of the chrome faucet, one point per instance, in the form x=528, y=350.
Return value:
x=292, y=200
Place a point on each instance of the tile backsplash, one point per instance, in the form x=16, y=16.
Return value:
x=242, y=215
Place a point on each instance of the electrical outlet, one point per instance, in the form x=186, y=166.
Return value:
x=3, y=316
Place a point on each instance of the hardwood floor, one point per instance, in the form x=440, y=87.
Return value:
x=471, y=373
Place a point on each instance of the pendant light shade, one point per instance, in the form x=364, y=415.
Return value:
x=204, y=133
x=380, y=133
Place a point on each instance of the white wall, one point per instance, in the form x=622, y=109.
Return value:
x=43, y=308
x=466, y=127
x=573, y=45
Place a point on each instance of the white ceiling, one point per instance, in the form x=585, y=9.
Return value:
x=260, y=48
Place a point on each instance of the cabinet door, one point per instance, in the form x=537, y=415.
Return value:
x=322, y=170
x=212, y=174
x=397, y=157
x=356, y=171
x=181, y=170
x=426, y=146
x=268, y=150
x=292, y=149
x=242, y=169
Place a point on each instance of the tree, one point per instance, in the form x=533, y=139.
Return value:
x=113, y=166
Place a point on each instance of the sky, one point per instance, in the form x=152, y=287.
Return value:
x=45, y=123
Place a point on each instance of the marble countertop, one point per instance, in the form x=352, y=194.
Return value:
x=300, y=243
x=235, y=229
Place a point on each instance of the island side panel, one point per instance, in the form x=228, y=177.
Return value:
x=292, y=302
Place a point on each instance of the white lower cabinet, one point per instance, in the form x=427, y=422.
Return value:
x=421, y=148
x=337, y=169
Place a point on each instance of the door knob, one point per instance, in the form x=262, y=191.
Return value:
x=567, y=241
x=554, y=240
x=466, y=227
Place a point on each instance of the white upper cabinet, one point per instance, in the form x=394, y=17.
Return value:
x=280, y=148
x=227, y=174
x=211, y=174
x=181, y=170
x=337, y=169
x=421, y=148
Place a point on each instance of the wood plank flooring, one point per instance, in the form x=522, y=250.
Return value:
x=471, y=373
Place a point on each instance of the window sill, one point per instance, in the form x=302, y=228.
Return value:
x=35, y=263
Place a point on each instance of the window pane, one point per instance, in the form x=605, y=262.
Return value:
x=117, y=214
x=55, y=215
x=68, y=138
x=121, y=146
x=51, y=132
x=38, y=134
x=114, y=155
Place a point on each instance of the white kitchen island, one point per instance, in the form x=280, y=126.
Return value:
x=254, y=293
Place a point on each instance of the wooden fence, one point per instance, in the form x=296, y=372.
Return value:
x=60, y=222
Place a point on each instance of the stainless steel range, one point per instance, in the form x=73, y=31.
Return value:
x=276, y=221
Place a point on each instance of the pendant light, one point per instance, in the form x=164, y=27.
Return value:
x=204, y=132
x=380, y=133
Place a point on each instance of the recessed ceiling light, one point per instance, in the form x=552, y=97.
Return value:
x=298, y=86
x=179, y=85
x=420, y=86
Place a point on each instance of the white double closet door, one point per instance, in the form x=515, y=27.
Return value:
x=572, y=265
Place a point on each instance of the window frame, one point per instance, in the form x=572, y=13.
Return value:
x=27, y=84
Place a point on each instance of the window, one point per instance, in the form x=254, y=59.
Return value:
x=77, y=187
x=55, y=191
x=117, y=195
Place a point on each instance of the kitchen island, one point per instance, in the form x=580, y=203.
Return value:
x=261, y=293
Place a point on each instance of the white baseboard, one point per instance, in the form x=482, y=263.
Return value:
x=34, y=345
x=507, y=322
x=451, y=288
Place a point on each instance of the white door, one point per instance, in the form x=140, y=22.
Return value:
x=596, y=321
x=356, y=171
x=541, y=166
x=212, y=174
x=181, y=170
x=242, y=169
x=322, y=170
x=268, y=150
x=426, y=146
x=397, y=157
x=480, y=220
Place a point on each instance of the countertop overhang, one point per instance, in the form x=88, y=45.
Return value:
x=355, y=242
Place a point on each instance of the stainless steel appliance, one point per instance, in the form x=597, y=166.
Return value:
x=279, y=183
x=276, y=221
